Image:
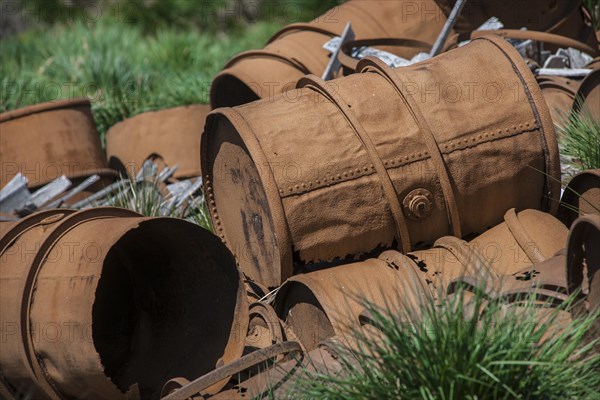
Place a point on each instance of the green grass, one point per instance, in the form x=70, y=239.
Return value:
x=199, y=215
x=139, y=55
x=146, y=198
x=594, y=7
x=213, y=15
x=121, y=70
x=580, y=141
x=445, y=354
x=142, y=197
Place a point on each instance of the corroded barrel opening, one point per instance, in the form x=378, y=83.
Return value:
x=165, y=305
x=305, y=316
x=233, y=91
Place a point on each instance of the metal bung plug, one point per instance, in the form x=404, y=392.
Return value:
x=418, y=204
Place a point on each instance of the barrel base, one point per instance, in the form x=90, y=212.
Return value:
x=245, y=220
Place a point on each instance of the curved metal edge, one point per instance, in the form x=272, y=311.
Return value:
x=575, y=253
x=27, y=223
x=44, y=107
x=572, y=192
x=539, y=108
x=268, y=315
x=64, y=226
x=252, y=359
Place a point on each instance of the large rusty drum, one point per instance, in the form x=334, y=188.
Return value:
x=386, y=158
x=320, y=304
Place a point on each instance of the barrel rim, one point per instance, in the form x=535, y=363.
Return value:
x=45, y=107
x=27, y=223
x=541, y=112
x=238, y=76
x=13, y=235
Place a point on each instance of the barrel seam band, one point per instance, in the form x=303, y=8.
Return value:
x=396, y=163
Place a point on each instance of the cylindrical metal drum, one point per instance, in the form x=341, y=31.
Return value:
x=320, y=304
x=106, y=304
x=172, y=134
x=381, y=159
x=48, y=140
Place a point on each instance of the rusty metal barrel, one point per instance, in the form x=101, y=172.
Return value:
x=569, y=281
x=583, y=263
x=321, y=304
x=386, y=158
x=559, y=93
x=569, y=18
x=297, y=49
x=106, y=304
x=172, y=134
x=523, y=239
x=589, y=95
x=538, y=294
x=318, y=305
x=581, y=197
x=65, y=140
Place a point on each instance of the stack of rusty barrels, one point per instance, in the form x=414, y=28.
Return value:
x=401, y=187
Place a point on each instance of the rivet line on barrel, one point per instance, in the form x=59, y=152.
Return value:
x=446, y=148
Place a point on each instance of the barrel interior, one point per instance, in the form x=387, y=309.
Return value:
x=244, y=212
x=165, y=305
x=230, y=91
x=305, y=315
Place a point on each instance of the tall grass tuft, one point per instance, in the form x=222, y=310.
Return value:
x=198, y=214
x=580, y=141
x=145, y=197
x=447, y=354
x=122, y=70
x=594, y=8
